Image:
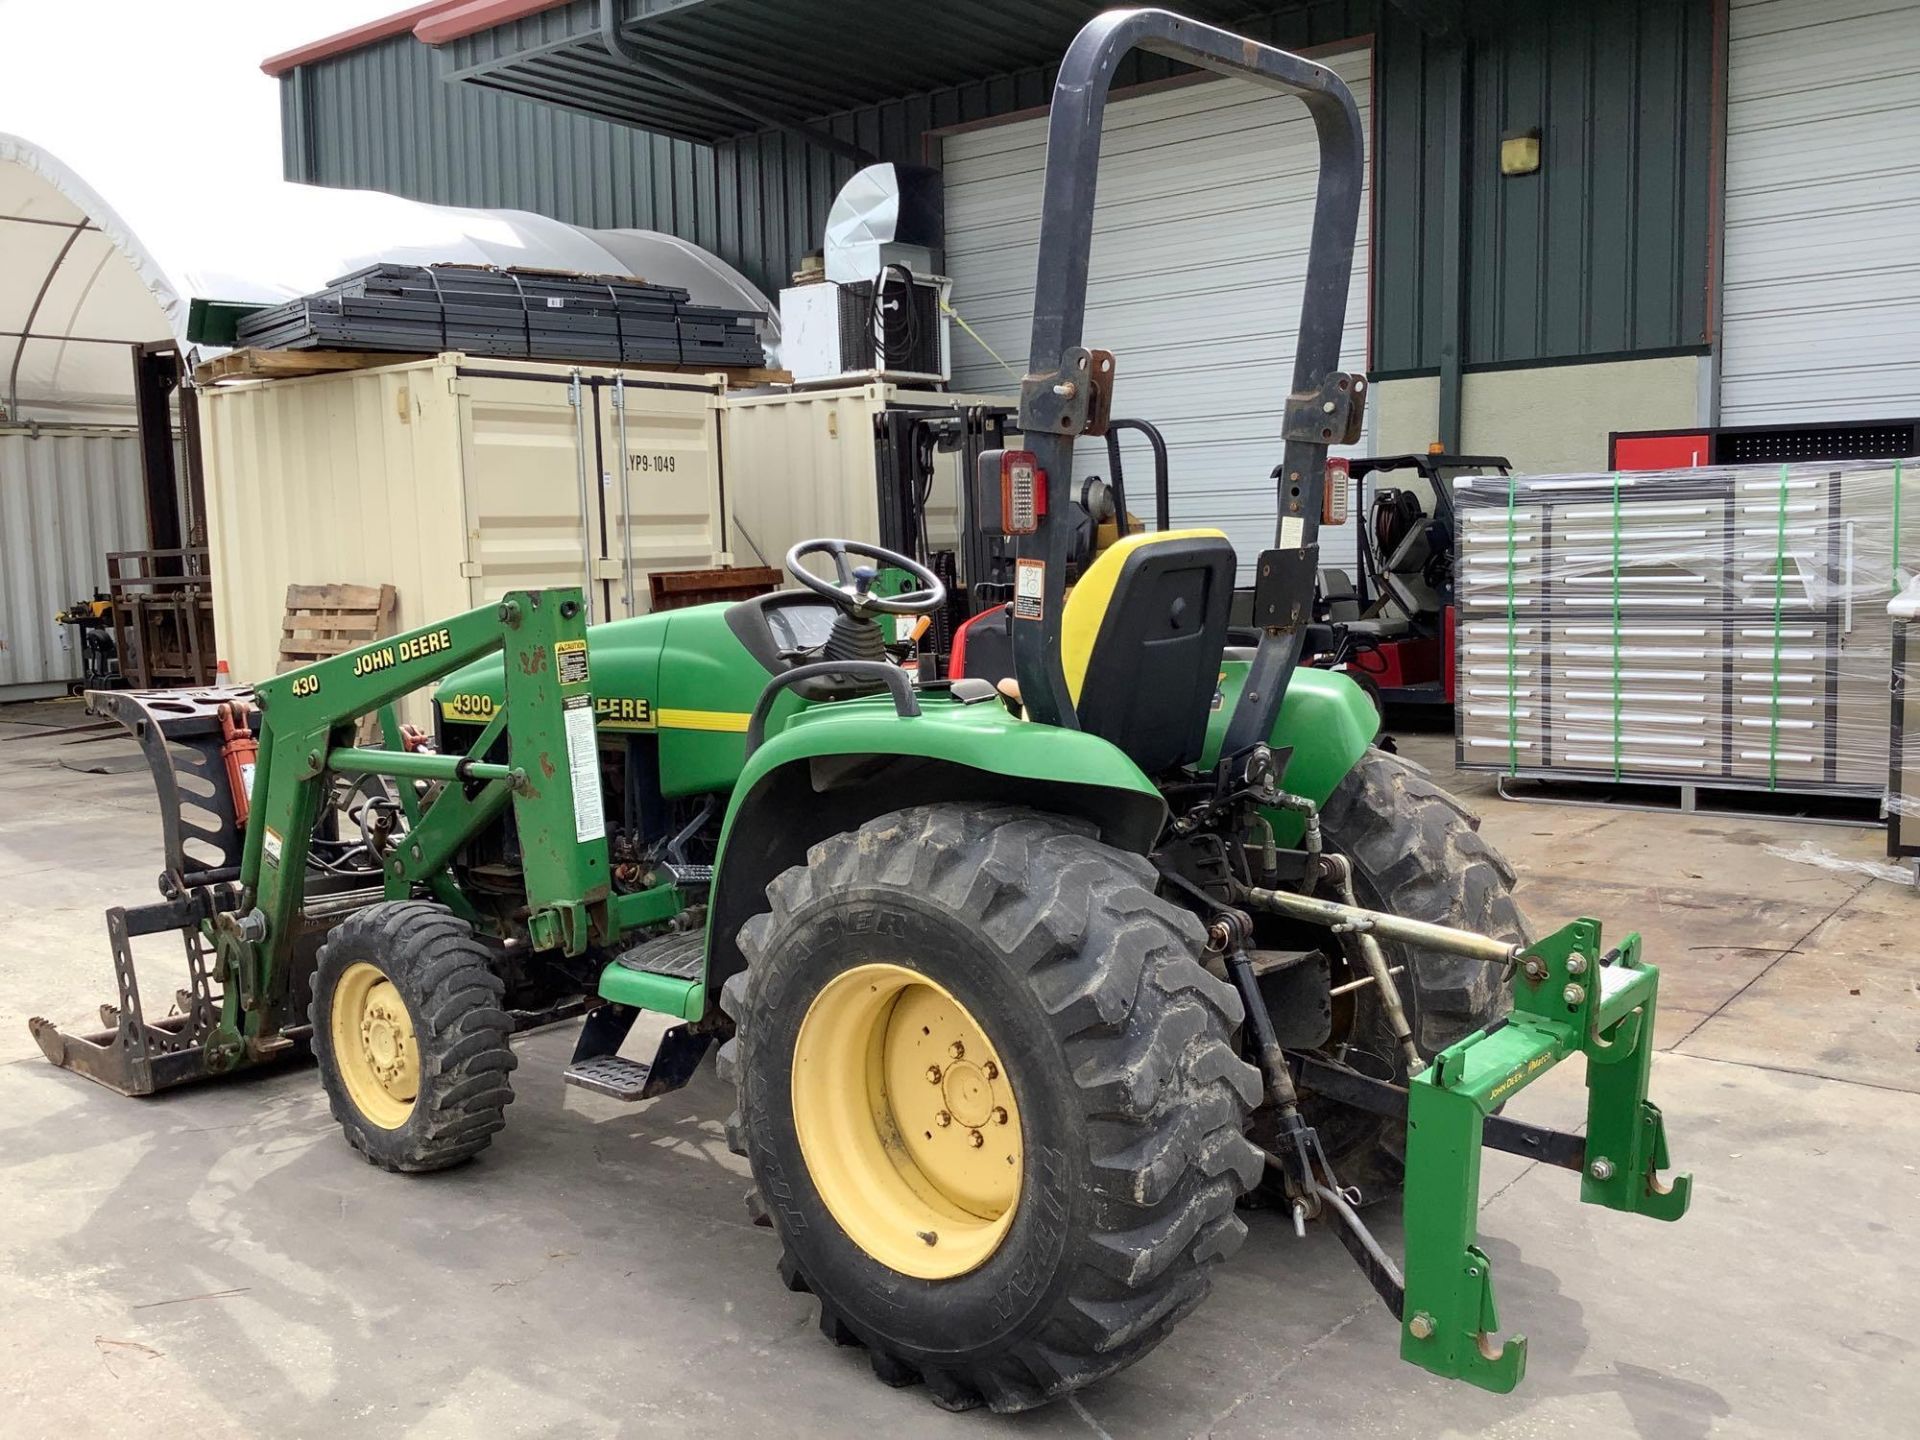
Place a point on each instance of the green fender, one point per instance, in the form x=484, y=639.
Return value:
x=833, y=767
x=1326, y=720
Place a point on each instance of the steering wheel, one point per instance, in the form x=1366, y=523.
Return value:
x=854, y=593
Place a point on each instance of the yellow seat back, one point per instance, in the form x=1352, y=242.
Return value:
x=1087, y=602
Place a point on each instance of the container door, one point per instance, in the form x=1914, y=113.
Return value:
x=532, y=463
x=664, y=506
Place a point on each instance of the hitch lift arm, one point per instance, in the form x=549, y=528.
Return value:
x=1568, y=998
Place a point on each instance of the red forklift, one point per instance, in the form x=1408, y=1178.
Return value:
x=1391, y=628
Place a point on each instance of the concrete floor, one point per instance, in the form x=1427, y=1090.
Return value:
x=218, y=1262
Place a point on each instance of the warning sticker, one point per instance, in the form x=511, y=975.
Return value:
x=1293, y=530
x=270, y=848
x=570, y=661
x=1029, y=588
x=583, y=766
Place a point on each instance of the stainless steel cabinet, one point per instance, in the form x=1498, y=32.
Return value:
x=1716, y=627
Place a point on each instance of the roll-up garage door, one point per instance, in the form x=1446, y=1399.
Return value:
x=1822, y=291
x=1204, y=209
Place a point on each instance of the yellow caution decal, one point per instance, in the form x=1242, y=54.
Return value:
x=570, y=661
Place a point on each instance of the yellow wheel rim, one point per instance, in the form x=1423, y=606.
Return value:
x=374, y=1046
x=907, y=1121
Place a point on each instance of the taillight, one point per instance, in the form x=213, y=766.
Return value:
x=1336, y=493
x=1023, y=492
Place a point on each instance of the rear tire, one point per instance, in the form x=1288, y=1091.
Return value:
x=1115, y=1045
x=411, y=1037
x=1416, y=852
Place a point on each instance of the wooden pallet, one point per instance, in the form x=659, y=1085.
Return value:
x=292, y=364
x=324, y=620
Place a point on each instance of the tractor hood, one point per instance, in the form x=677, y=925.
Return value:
x=624, y=656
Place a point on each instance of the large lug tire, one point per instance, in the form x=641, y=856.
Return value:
x=411, y=1036
x=1416, y=852
x=1116, y=1044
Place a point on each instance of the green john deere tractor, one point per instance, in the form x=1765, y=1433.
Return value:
x=1024, y=990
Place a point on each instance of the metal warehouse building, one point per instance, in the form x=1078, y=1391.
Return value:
x=1583, y=217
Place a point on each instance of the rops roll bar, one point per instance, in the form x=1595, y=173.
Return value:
x=1067, y=388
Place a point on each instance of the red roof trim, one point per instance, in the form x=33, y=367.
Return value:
x=467, y=17
x=433, y=23
x=277, y=65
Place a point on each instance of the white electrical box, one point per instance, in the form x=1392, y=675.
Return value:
x=896, y=331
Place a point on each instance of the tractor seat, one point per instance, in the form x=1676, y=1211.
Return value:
x=1141, y=640
x=1379, y=627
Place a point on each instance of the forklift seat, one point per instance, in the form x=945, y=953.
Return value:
x=1141, y=639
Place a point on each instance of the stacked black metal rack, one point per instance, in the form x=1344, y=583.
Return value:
x=526, y=314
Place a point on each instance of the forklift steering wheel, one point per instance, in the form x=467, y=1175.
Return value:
x=854, y=593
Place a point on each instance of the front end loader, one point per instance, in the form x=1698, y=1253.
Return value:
x=1024, y=991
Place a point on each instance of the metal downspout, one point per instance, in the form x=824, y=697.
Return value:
x=1453, y=247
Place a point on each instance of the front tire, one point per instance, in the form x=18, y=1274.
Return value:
x=411, y=1037
x=1105, y=1042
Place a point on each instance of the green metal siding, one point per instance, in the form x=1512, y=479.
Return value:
x=1604, y=250
x=382, y=118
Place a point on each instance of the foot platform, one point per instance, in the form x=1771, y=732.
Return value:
x=613, y=1075
x=681, y=955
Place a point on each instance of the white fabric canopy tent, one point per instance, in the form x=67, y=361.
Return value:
x=82, y=278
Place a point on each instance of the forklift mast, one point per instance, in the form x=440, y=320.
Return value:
x=1068, y=390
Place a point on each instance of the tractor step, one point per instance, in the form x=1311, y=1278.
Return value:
x=613, y=1075
x=681, y=955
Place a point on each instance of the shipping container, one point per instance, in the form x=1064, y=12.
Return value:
x=68, y=496
x=807, y=463
x=454, y=480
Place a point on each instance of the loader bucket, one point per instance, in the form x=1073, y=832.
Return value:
x=181, y=735
x=132, y=1054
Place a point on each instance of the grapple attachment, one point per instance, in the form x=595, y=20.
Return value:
x=186, y=736
x=1569, y=999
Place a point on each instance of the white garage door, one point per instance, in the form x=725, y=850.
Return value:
x=1200, y=235
x=1822, y=292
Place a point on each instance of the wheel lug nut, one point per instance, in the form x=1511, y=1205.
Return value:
x=933, y=1074
x=992, y=1070
x=976, y=1139
x=999, y=1114
x=957, y=1050
x=943, y=1119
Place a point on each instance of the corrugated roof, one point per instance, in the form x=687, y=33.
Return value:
x=778, y=63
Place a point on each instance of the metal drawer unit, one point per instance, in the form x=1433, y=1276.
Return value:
x=1721, y=627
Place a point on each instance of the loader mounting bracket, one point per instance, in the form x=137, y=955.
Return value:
x=1076, y=399
x=1333, y=412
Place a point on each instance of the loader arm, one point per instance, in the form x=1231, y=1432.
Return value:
x=242, y=924
x=307, y=721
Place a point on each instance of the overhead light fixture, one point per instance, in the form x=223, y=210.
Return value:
x=1520, y=152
